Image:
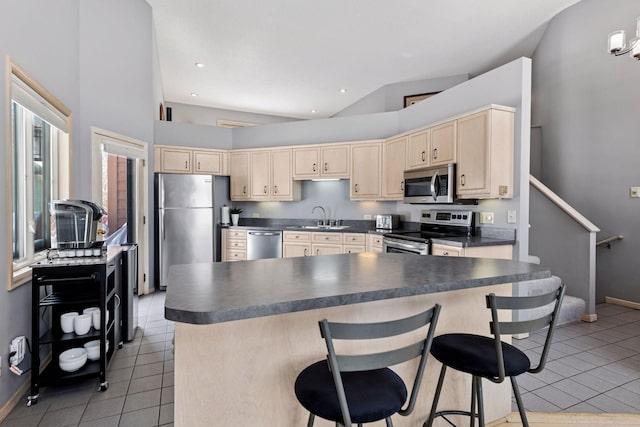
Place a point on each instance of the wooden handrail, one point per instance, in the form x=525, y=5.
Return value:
x=608, y=241
x=577, y=216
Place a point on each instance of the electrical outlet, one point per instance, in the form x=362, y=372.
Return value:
x=368, y=216
x=256, y=215
x=486, y=217
x=511, y=216
x=17, y=348
x=634, y=192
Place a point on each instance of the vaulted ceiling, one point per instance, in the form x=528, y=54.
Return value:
x=289, y=57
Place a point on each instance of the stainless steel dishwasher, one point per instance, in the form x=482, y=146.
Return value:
x=264, y=244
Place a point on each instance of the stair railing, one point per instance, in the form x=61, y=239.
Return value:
x=609, y=240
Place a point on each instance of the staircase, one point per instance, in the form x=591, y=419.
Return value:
x=571, y=309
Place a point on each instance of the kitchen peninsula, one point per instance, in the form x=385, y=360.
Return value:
x=245, y=330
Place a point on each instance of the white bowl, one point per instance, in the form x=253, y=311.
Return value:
x=82, y=324
x=66, y=321
x=72, y=359
x=93, y=349
x=91, y=310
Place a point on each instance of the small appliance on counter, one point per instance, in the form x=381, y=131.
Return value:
x=387, y=221
x=76, y=229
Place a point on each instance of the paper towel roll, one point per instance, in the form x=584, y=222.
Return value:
x=224, y=217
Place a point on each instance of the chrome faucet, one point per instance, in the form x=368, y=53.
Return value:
x=324, y=214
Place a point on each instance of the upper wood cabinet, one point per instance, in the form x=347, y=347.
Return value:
x=239, y=181
x=321, y=161
x=393, y=165
x=443, y=143
x=269, y=175
x=366, y=171
x=187, y=160
x=418, y=144
x=485, y=154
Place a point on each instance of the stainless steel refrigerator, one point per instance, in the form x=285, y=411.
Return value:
x=185, y=218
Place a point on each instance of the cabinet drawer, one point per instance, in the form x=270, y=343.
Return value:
x=236, y=234
x=353, y=238
x=236, y=255
x=441, y=250
x=327, y=238
x=376, y=241
x=296, y=236
x=352, y=249
x=236, y=244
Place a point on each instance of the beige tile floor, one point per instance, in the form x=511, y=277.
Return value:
x=593, y=369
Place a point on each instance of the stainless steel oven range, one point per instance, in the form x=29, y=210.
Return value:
x=433, y=224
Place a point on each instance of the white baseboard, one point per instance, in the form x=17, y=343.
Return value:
x=622, y=302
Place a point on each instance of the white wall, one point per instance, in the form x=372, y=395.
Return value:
x=587, y=103
x=96, y=58
x=195, y=114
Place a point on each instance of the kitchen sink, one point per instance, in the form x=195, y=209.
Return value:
x=318, y=227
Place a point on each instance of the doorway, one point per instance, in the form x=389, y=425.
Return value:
x=119, y=182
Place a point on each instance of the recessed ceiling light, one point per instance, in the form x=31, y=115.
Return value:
x=343, y=90
x=194, y=94
x=199, y=65
x=314, y=111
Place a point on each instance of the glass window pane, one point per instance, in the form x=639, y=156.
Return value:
x=41, y=184
x=17, y=181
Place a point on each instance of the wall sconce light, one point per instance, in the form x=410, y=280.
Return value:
x=617, y=43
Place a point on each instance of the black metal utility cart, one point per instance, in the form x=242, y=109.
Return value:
x=67, y=285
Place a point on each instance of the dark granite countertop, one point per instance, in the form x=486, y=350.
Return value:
x=220, y=292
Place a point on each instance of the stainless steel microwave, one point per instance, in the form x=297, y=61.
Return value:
x=432, y=185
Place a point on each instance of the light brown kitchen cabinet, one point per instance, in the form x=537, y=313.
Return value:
x=353, y=243
x=259, y=174
x=374, y=243
x=443, y=143
x=498, y=251
x=188, y=160
x=234, y=244
x=393, y=166
x=239, y=181
x=366, y=171
x=296, y=244
x=283, y=187
x=418, y=144
x=320, y=249
x=175, y=160
x=485, y=154
x=321, y=161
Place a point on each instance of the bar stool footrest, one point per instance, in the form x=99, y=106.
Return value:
x=450, y=412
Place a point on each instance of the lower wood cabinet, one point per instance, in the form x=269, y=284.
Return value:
x=374, y=243
x=306, y=243
x=234, y=244
x=498, y=252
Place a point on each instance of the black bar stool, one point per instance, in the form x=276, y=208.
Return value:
x=361, y=388
x=489, y=357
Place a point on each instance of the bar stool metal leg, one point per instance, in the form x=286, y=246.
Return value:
x=516, y=393
x=436, y=397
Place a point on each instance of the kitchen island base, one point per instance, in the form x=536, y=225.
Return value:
x=242, y=372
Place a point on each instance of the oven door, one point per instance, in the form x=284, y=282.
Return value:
x=430, y=185
x=398, y=246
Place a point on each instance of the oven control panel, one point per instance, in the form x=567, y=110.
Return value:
x=440, y=217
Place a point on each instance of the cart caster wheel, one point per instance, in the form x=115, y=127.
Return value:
x=104, y=386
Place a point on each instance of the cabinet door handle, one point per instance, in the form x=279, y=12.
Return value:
x=355, y=188
x=462, y=180
x=326, y=166
x=244, y=189
x=265, y=189
x=275, y=189
x=315, y=167
x=198, y=165
x=306, y=251
x=317, y=251
x=445, y=253
x=402, y=186
x=435, y=153
x=186, y=165
x=424, y=156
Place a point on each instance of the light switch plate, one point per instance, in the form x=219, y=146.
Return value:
x=511, y=216
x=367, y=216
x=255, y=215
x=634, y=192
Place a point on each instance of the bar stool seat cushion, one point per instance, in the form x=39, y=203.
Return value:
x=371, y=395
x=476, y=355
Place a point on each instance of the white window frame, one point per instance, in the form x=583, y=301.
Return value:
x=20, y=272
